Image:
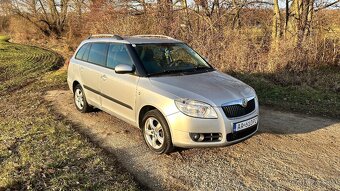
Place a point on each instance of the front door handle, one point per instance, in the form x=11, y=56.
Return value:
x=104, y=77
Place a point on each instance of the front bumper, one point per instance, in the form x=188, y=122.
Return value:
x=182, y=125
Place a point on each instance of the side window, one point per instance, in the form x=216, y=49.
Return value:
x=81, y=52
x=118, y=54
x=87, y=52
x=97, y=53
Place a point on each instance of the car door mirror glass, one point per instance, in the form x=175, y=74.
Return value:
x=124, y=69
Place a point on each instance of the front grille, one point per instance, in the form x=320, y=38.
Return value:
x=238, y=110
x=240, y=134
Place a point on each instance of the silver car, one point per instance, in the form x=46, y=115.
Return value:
x=165, y=88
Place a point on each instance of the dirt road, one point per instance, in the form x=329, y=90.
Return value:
x=290, y=152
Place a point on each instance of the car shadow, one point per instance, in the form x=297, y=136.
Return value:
x=277, y=122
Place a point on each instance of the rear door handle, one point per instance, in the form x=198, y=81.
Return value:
x=81, y=69
x=104, y=77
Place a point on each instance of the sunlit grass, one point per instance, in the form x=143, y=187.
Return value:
x=303, y=98
x=39, y=150
x=4, y=38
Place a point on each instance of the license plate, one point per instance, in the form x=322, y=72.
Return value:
x=245, y=124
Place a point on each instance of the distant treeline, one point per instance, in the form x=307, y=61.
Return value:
x=241, y=35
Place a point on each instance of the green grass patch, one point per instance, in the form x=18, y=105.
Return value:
x=39, y=150
x=4, y=38
x=300, y=97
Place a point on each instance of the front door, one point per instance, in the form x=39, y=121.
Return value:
x=119, y=90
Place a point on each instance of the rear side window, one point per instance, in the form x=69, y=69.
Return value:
x=97, y=53
x=81, y=52
x=87, y=52
x=118, y=54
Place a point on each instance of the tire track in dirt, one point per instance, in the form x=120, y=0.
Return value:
x=290, y=151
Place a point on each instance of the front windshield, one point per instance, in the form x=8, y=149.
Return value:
x=171, y=58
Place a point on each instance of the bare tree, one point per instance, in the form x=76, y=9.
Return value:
x=300, y=15
x=276, y=28
x=49, y=16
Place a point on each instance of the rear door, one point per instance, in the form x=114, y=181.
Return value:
x=119, y=90
x=90, y=72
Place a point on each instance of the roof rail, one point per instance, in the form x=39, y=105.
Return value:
x=106, y=35
x=154, y=36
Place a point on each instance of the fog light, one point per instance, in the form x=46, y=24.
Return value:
x=197, y=136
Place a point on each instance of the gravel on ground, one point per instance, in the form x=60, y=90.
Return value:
x=289, y=152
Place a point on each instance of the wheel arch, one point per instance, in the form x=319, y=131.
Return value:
x=143, y=111
x=74, y=84
x=147, y=108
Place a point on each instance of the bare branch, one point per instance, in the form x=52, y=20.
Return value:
x=327, y=5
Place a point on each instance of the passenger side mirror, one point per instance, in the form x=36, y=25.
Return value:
x=124, y=69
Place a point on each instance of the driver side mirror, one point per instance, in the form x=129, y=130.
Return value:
x=124, y=69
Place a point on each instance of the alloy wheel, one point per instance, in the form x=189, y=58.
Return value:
x=154, y=133
x=79, y=99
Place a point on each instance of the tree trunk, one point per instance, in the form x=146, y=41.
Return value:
x=292, y=23
x=236, y=23
x=276, y=28
x=186, y=18
x=276, y=35
x=300, y=17
x=286, y=18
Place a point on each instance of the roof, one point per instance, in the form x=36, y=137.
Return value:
x=138, y=39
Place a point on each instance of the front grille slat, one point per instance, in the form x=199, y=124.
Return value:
x=237, y=110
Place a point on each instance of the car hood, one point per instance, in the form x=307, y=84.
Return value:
x=215, y=88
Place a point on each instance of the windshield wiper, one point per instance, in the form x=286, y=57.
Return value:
x=203, y=69
x=166, y=72
x=182, y=72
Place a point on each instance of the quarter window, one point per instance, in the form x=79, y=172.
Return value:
x=81, y=52
x=118, y=54
x=87, y=52
x=97, y=53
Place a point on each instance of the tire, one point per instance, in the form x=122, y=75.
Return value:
x=80, y=100
x=157, y=138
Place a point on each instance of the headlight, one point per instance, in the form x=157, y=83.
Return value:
x=196, y=108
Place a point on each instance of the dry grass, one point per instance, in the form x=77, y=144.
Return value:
x=245, y=50
x=39, y=150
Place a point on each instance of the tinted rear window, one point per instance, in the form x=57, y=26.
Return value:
x=98, y=53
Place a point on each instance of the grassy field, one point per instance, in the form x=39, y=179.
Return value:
x=39, y=150
x=315, y=92
x=4, y=38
